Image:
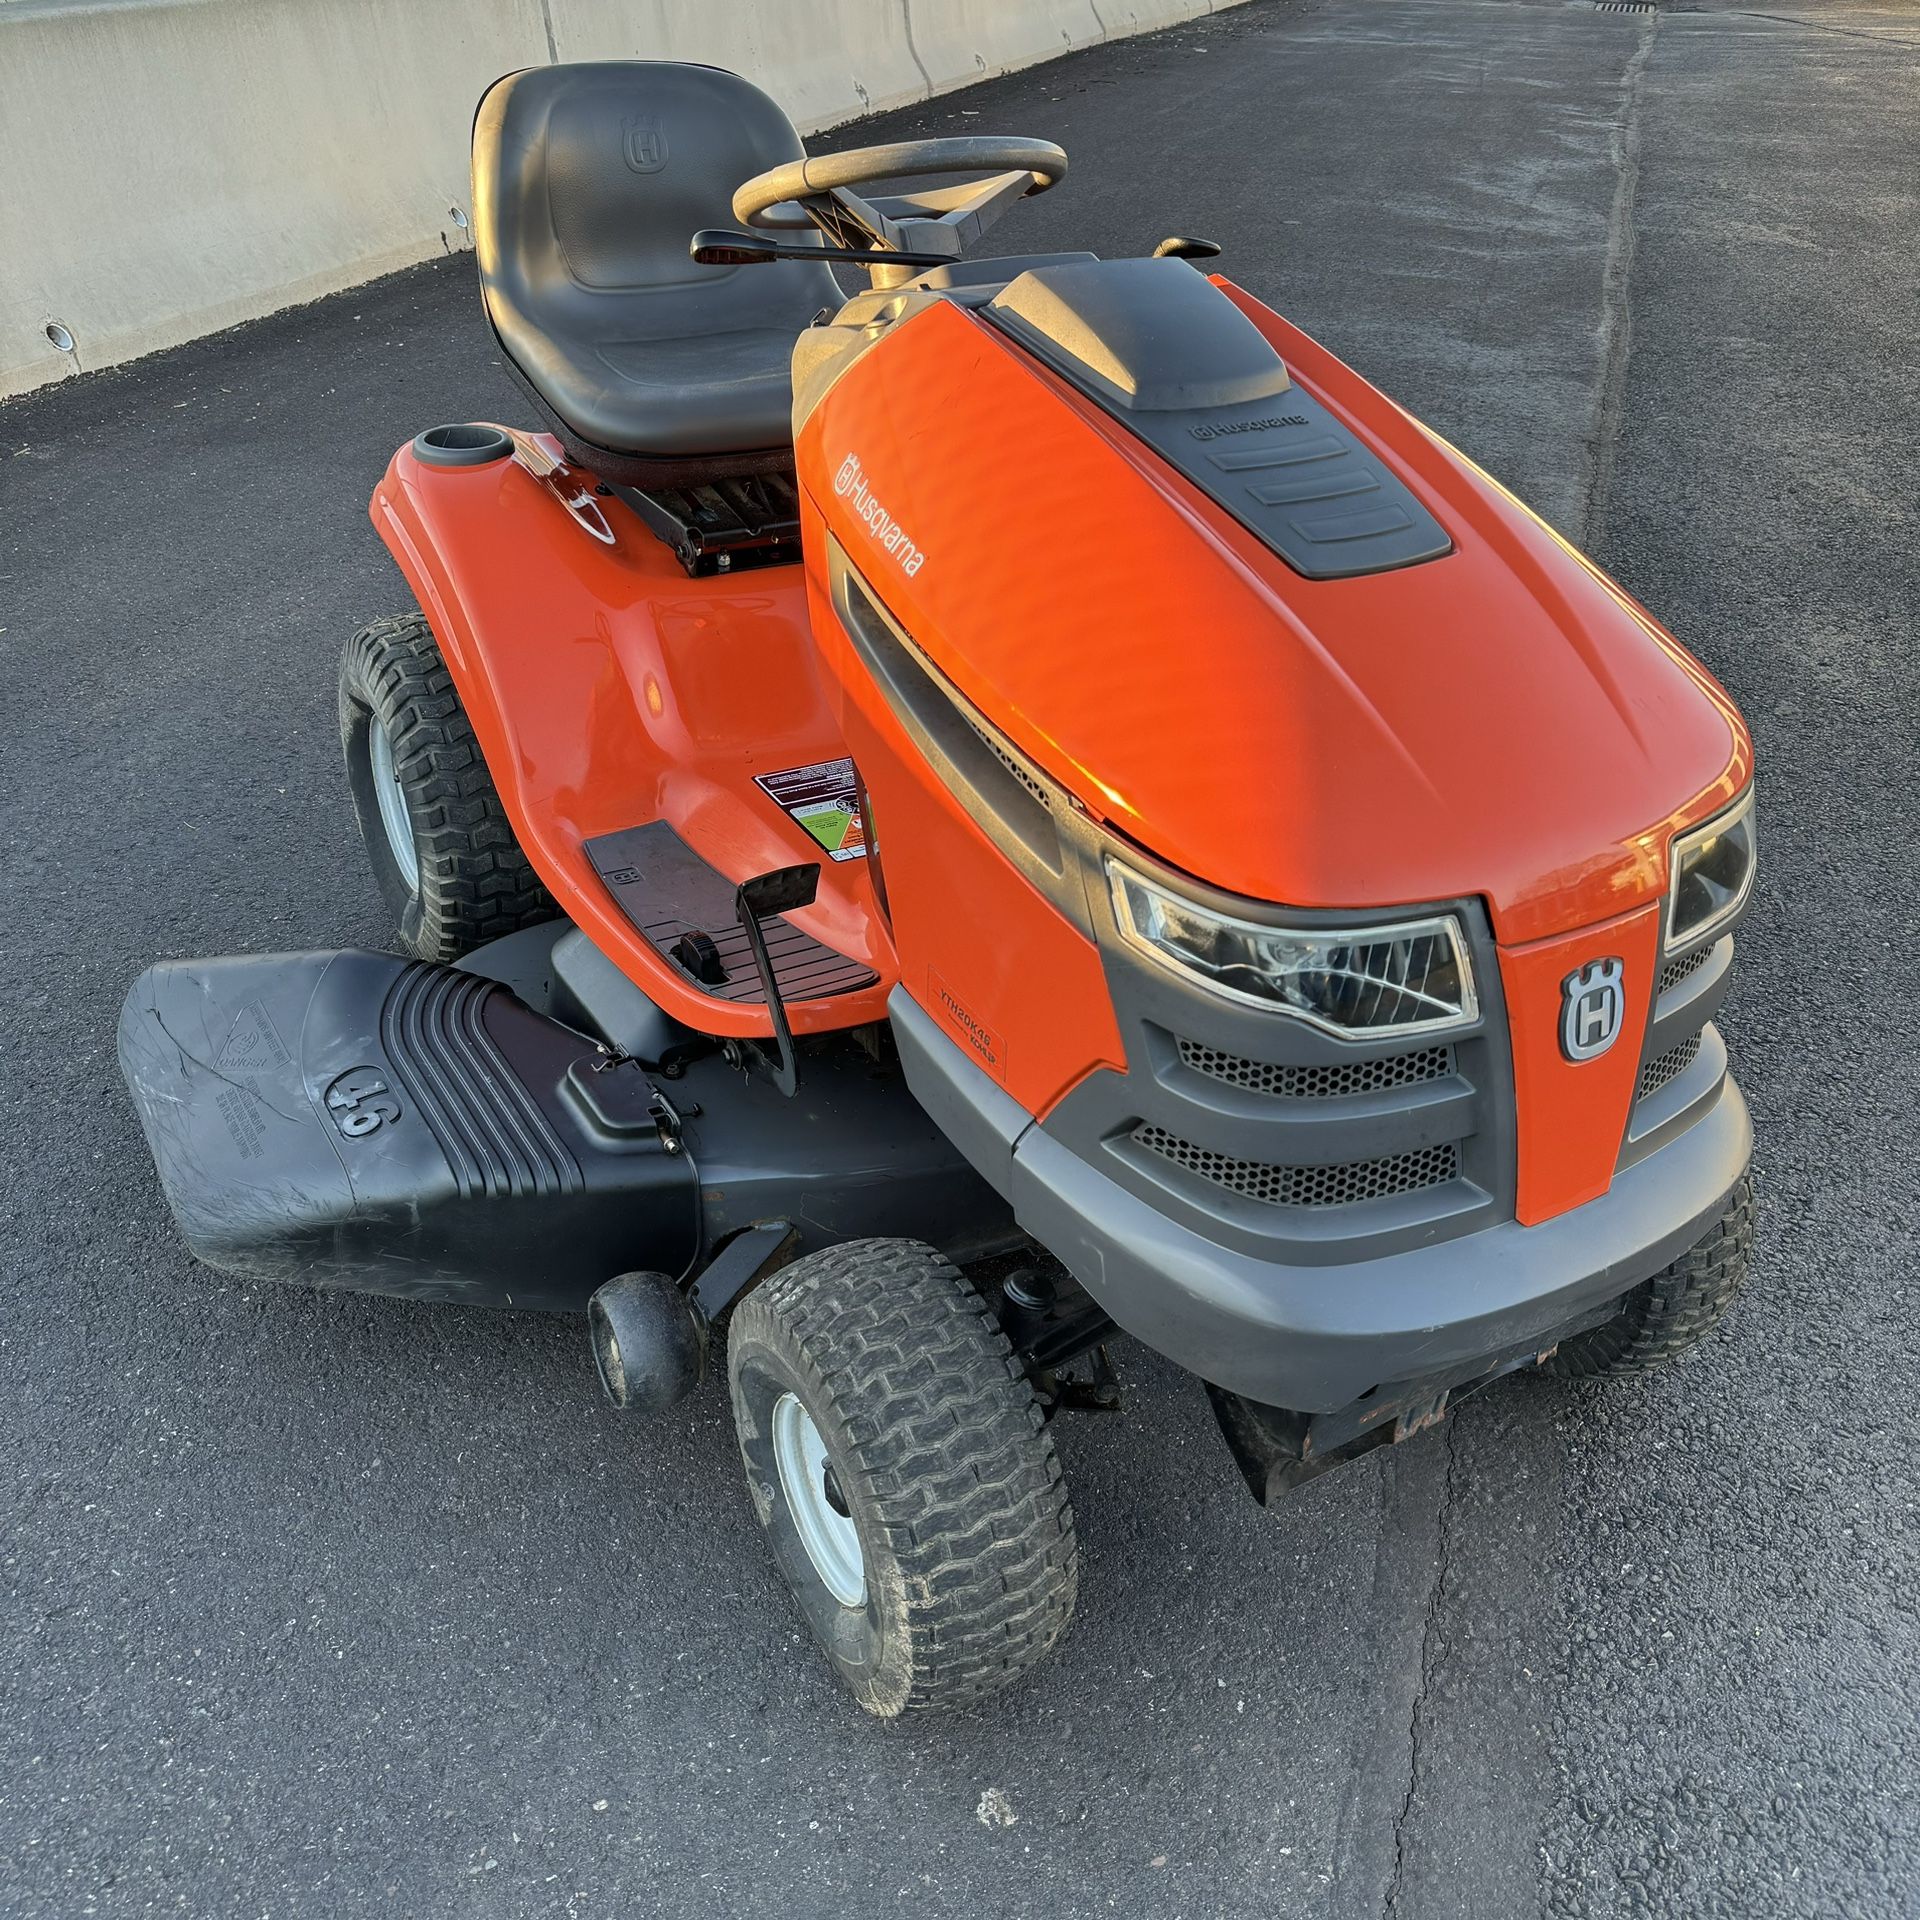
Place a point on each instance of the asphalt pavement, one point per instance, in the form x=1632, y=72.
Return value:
x=336, y=1606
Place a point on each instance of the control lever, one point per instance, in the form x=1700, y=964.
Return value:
x=760, y=898
x=723, y=247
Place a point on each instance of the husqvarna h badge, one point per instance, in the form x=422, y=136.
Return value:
x=1590, y=1016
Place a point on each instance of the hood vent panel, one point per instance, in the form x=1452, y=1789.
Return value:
x=1165, y=352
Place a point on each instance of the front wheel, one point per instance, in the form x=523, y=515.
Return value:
x=1662, y=1317
x=899, y=1463
x=442, y=848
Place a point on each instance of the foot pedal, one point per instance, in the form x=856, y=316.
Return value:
x=355, y=1120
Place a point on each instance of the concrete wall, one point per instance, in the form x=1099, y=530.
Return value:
x=170, y=167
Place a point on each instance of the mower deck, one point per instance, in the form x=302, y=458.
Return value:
x=381, y=1125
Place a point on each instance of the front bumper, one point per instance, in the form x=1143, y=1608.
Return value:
x=1317, y=1337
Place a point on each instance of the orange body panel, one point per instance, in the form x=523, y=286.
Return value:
x=1573, y=1114
x=1016, y=984
x=607, y=690
x=1502, y=721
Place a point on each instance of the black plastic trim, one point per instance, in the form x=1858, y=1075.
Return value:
x=469, y=443
x=982, y=1119
x=1686, y=1008
x=1015, y=805
x=1286, y=1332
x=1192, y=376
x=1473, y=1106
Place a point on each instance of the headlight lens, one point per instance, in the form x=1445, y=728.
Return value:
x=1712, y=875
x=1413, y=977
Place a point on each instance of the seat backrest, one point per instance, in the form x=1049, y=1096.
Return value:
x=590, y=178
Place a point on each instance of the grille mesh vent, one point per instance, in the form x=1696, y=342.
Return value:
x=1685, y=967
x=1339, y=1186
x=1318, y=1083
x=1669, y=1066
x=1011, y=764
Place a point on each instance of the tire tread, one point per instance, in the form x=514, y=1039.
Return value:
x=1675, y=1310
x=951, y=1443
x=476, y=884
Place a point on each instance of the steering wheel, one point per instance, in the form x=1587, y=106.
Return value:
x=818, y=191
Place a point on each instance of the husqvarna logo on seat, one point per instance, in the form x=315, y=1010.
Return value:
x=646, y=142
x=1596, y=1003
x=850, y=483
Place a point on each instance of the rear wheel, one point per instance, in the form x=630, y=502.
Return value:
x=899, y=1463
x=439, y=839
x=1660, y=1319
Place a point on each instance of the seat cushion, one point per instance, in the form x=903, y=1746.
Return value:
x=588, y=182
x=670, y=399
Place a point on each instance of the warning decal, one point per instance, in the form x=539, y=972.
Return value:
x=824, y=801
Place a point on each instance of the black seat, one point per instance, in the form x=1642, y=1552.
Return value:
x=588, y=182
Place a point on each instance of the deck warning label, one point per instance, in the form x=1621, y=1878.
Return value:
x=824, y=801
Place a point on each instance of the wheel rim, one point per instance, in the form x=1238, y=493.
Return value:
x=816, y=1503
x=395, y=820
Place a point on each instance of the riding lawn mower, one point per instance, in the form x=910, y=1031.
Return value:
x=934, y=827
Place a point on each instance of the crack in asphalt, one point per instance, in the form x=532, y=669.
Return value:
x=1616, y=310
x=1430, y=1657
x=1820, y=26
x=1616, y=346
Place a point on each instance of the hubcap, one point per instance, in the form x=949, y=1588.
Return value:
x=394, y=817
x=819, y=1508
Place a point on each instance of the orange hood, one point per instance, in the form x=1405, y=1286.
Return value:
x=1503, y=721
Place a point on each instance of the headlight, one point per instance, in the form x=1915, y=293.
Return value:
x=1712, y=875
x=1411, y=977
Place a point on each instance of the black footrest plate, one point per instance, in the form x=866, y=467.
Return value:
x=668, y=892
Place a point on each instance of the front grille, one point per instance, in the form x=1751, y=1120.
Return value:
x=1685, y=967
x=1318, y=1083
x=1669, y=1066
x=1006, y=758
x=1335, y=1186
